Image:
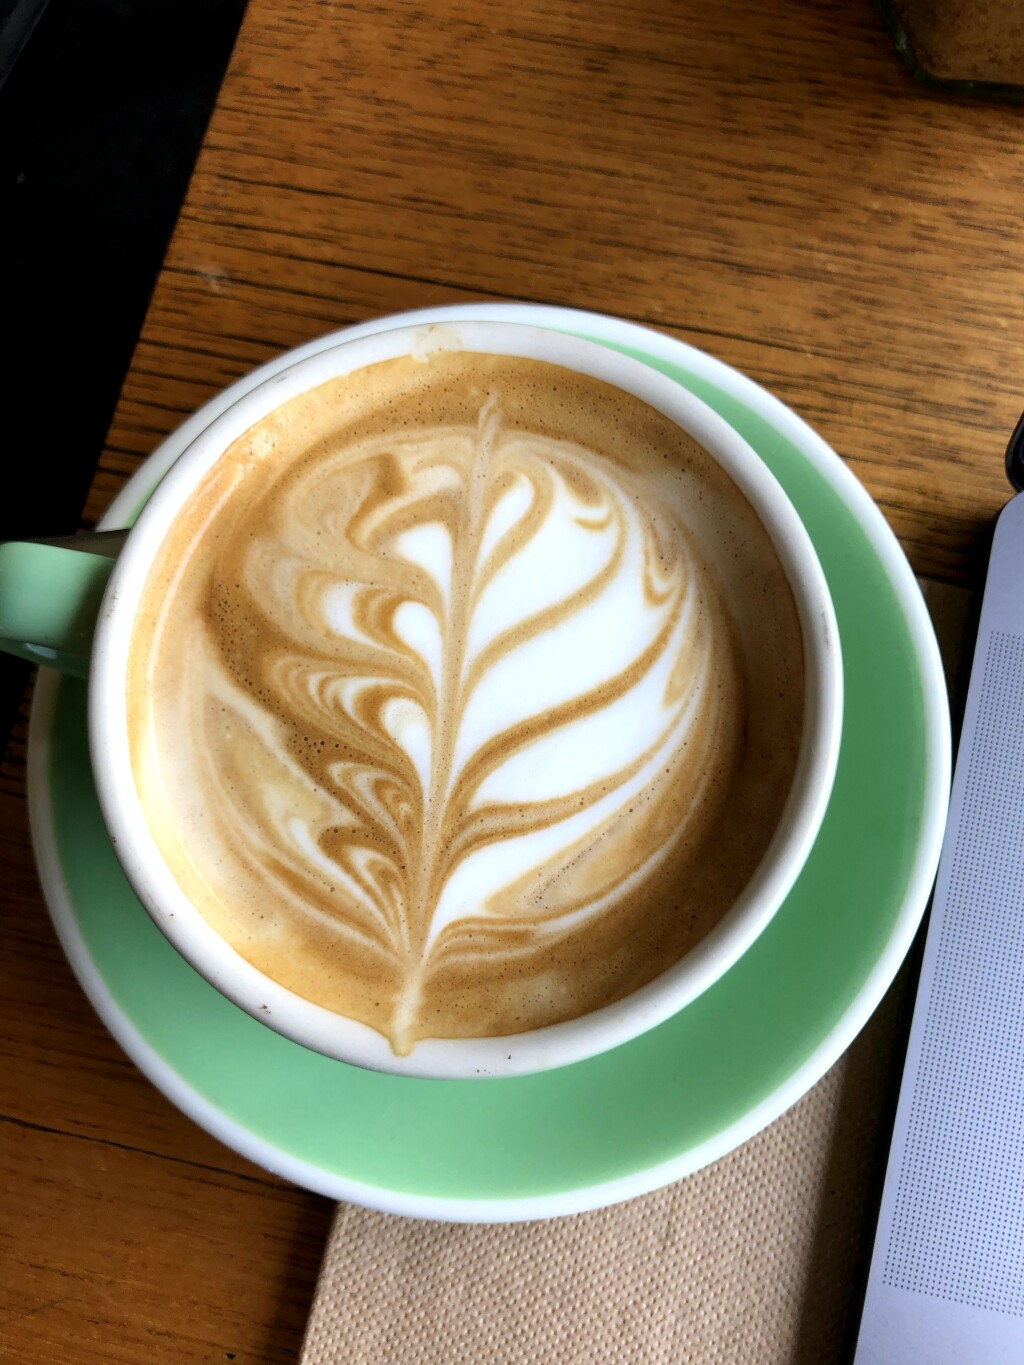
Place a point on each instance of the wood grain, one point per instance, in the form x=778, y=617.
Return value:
x=767, y=183
x=764, y=181
x=127, y=1234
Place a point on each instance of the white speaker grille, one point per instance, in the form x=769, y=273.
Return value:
x=958, y=1222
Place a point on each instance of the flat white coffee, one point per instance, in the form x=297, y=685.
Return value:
x=466, y=695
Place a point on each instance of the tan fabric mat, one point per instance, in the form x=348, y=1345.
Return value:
x=759, y=1259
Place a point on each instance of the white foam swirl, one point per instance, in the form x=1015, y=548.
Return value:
x=485, y=702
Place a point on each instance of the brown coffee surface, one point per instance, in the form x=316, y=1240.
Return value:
x=466, y=695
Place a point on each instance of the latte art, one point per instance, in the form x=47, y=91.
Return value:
x=448, y=725
x=493, y=660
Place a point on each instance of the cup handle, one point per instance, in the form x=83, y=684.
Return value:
x=50, y=597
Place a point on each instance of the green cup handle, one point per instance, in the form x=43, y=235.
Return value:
x=50, y=596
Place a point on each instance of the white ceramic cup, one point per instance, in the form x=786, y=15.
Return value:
x=314, y=1026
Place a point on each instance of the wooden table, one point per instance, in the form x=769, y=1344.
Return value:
x=762, y=180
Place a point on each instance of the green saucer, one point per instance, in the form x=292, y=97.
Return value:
x=653, y=1109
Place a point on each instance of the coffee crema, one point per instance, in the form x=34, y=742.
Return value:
x=465, y=695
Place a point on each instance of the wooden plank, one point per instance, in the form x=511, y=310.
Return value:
x=50, y=1035
x=774, y=189
x=126, y=1232
x=113, y=1255
x=762, y=181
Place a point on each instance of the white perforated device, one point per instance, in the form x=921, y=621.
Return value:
x=946, y=1282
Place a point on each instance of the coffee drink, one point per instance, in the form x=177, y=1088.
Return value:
x=465, y=695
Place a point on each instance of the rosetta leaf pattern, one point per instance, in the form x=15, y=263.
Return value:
x=491, y=653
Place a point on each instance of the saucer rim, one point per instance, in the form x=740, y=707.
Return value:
x=575, y=1199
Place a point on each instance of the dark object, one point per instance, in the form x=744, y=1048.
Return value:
x=17, y=20
x=101, y=120
x=967, y=47
x=1015, y=457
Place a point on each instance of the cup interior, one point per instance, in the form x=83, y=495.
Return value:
x=558, y=1044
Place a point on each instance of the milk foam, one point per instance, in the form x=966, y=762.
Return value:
x=443, y=725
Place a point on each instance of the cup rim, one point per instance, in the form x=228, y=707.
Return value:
x=554, y=1045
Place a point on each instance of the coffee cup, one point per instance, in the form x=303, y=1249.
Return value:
x=463, y=703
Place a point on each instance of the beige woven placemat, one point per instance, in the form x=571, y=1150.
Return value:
x=756, y=1260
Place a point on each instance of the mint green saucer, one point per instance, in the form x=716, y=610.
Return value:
x=656, y=1108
